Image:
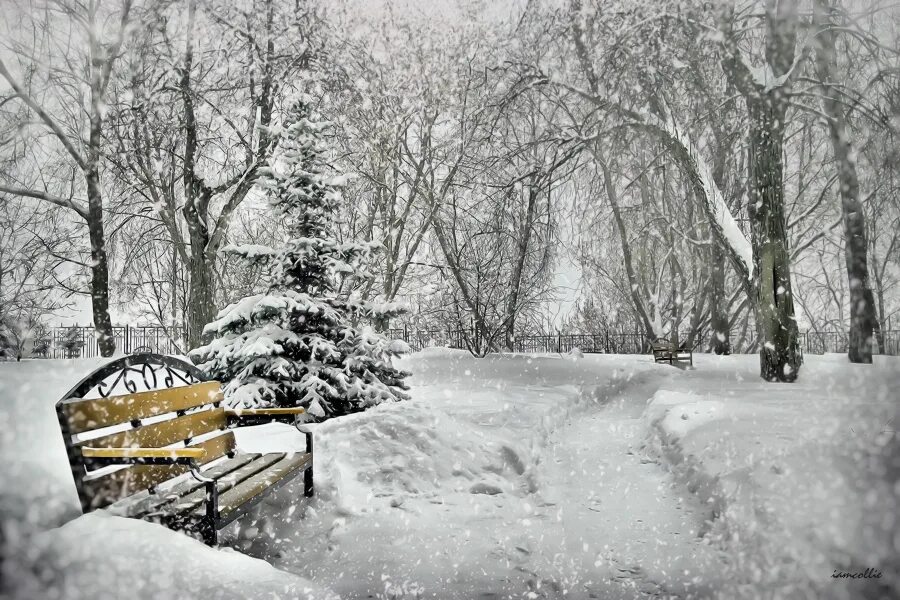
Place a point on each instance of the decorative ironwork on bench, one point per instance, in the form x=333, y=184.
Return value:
x=137, y=373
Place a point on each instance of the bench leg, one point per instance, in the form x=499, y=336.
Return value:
x=308, y=482
x=211, y=499
x=308, y=473
x=209, y=533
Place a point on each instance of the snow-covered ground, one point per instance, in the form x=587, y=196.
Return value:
x=511, y=476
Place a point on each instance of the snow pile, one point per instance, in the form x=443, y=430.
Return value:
x=37, y=489
x=446, y=494
x=47, y=550
x=99, y=556
x=802, y=478
x=512, y=476
x=574, y=354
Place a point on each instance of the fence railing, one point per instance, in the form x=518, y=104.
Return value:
x=820, y=342
x=619, y=342
x=609, y=342
x=80, y=341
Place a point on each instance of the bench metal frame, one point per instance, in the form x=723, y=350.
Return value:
x=667, y=352
x=150, y=372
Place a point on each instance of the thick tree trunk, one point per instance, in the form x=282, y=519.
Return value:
x=99, y=272
x=862, y=306
x=780, y=355
x=767, y=100
x=99, y=264
x=201, y=301
x=201, y=306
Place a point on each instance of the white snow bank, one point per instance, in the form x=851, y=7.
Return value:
x=37, y=489
x=511, y=476
x=96, y=555
x=99, y=556
x=802, y=476
x=400, y=489
x=440, y=496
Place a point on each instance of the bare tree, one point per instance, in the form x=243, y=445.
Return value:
x=862, y=303
x=72, y=61
x=223, y=97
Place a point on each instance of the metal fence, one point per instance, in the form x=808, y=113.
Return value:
x=621, y=342
x=80, y=342
x=609, y=342
x=821, y=342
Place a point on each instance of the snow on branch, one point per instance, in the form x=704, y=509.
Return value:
x=708, y=192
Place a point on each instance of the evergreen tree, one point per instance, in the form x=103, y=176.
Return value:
x=300, y=342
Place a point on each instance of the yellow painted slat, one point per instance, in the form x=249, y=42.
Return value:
x=106, y=489
x=163, y=433
x=143, y=452
x=86, y=415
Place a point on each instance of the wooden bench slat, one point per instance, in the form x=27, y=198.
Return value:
x=137, y=506
x=114, y=453
x=96, y=413
x=249, y=489
x=116, y=485
x=163, y=433
x=195, y=499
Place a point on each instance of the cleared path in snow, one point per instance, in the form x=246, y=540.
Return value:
x=506, y=477
x=623, y=529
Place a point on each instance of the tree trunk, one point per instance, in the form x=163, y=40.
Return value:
x=515, y=282
x=479, y=325
x=201, y=301
x=767, y=101
x=780, y=356
x=880, y=323
x=627, y=259
x=862, y=306
x=719, y=325
x=106, y=342
x=99, y=274
x=720, y=328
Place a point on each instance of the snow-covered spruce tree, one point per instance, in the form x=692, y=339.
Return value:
x=299, y=343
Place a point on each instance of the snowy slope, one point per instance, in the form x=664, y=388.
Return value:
x=96, y=556
x=799, y=475
x=508, y=477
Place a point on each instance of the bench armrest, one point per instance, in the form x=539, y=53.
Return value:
x=259, y=416
x=163, y=456
x=257, y=412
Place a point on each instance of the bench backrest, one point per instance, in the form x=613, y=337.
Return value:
x=166, y=402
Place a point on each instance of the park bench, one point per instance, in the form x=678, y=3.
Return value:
x=147, y=437
x=668, y=351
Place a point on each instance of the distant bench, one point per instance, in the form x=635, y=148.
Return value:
x=667, y=351
x=166, y=454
